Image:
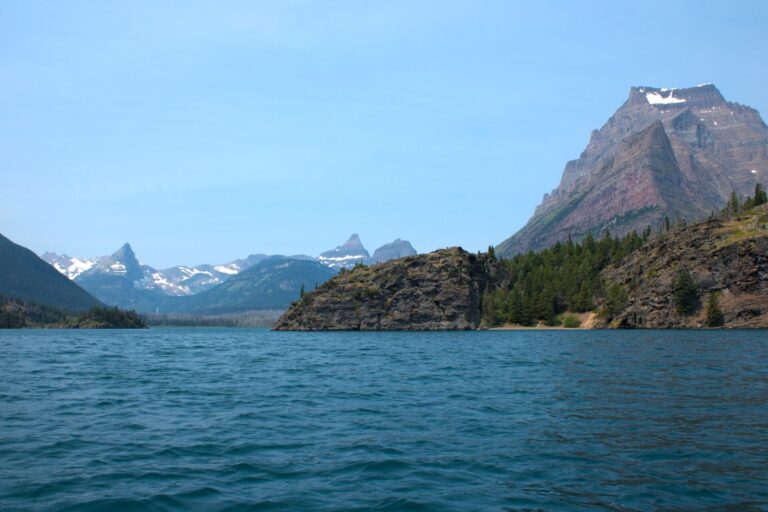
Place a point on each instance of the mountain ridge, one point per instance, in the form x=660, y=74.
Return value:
x=628, y=178
x=25, y=276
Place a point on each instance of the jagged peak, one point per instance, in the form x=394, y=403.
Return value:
x=125, y=250
x=347, y=253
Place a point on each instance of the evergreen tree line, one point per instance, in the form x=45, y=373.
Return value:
x=687, y=301
x=17, y=313
x=736, y=207
x=565, y=277
x=113, y=318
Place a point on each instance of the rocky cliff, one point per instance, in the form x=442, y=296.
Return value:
x=665, y=152
x=729, y=257
x=439, y=290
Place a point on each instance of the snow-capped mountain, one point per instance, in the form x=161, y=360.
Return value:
x=177, y=281
x=352, y=252
x=120, y=279
x=70, y=267
x=347, y=255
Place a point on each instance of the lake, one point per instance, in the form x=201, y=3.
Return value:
x=229, y=419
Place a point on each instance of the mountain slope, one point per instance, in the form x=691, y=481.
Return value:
x=270, y=284
x=728, y=257
x=25, y=276
x=119, y=280
x=666, y=152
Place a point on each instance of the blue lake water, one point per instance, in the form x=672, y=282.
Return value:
x=223, y=419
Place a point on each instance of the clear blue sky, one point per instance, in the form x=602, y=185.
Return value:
x=205, y=131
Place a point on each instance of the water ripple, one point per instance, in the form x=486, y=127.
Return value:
x=210, y=419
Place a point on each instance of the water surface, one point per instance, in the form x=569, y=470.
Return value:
x=223, y=419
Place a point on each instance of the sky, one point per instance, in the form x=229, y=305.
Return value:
x=204, y=131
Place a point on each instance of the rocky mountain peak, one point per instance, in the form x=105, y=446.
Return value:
x=393, y=250
x=346, y=255
x=674, y=153
x=353, y=243
x=125, y=253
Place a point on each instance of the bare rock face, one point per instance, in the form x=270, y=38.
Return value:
x=441, y=290
x=726, y=257
x=665, y=152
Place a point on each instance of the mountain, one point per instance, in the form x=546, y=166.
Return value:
x=175, y=281
x=273, y=283
x=180, y=280
x=439, y=290
x=676, y=153
x=723, y=256
x=69, y=266
x=120, y=280
x=25, y=276
x=393, y=250
x=346, y=255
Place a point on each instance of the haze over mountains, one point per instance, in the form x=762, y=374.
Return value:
x=259, y=281
x=676, y=153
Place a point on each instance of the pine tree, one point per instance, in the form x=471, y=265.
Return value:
x=301, y=292
x=685, y=293
x=714, y=315
x=760, y=196
x=491, y=253
x=615, y=301
x=733, y=204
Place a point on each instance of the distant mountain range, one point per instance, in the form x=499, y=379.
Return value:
x=352, y=252
x=676, y=153
x=23, y=275
x=275, y=281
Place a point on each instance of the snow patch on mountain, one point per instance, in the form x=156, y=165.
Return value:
x=655, y=98
x=230, y=269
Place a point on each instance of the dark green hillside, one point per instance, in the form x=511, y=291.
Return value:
x=17, y=314
x=25, y=276
x=271, y=284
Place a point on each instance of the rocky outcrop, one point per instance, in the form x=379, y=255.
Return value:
x=729, y=257
x=665, y=152
x=441, y=290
